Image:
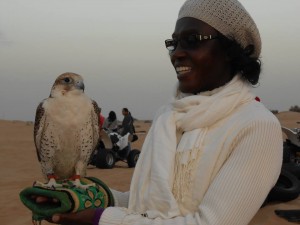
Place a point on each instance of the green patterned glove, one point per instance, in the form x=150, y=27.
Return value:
x=69, y=198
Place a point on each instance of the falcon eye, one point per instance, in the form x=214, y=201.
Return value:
x=67, y=80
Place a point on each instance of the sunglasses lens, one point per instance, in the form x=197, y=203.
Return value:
x=170, y=44
x=190, y=42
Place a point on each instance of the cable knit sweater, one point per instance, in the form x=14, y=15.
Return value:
x=241, y=175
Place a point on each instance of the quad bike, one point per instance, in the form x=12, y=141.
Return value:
x=288, y=185
x=112, y=148
x=291, y=147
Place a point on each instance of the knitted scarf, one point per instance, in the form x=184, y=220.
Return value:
x=167, y=166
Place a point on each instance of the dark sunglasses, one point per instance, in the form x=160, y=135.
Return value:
x=188, y=42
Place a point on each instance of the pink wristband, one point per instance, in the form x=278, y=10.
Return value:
x=97, y=216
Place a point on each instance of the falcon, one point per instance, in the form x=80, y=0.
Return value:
x=66, y=131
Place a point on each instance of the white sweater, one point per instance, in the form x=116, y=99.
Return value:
x=247, y=168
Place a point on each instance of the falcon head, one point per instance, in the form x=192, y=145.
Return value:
x=67, y=83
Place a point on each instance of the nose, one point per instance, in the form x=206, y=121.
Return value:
x=178, y=54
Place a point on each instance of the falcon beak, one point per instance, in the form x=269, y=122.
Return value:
x=80, y=85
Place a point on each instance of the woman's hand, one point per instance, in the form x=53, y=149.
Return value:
x=84, y=217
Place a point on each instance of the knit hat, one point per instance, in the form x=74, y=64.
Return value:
x=228, y=17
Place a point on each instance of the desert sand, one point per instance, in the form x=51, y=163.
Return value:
x=20, y=167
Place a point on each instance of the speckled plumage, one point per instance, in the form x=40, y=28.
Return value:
x=66, y=128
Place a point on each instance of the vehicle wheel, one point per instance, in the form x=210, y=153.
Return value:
x=133, y=157
x=105, y=159
x=293, y=168
x=286, y=189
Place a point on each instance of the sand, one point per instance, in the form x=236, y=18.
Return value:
x=20, y=167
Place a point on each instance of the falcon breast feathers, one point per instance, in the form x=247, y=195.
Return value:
x=66, y=130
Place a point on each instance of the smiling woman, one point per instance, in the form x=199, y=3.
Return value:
x=200, y=64
x=206, y=156
x=214, y=58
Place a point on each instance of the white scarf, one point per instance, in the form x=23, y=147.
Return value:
x=160, y=181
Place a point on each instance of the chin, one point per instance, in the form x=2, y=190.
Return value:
x=186, y=89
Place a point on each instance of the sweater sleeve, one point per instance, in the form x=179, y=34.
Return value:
x=238, y=190
x=121, y=198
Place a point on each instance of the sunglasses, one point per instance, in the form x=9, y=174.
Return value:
x=188, y=42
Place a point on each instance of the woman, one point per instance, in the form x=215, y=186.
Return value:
x=111, y=122
x=127, y=123
x=213, y=154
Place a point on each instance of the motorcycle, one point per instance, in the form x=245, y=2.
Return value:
x=292, y=145
x=287, y=187
x=112, y=148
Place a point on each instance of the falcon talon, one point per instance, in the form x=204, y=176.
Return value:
x=36, y=222
x=38, y=184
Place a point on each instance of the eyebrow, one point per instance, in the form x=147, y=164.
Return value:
x=188, y=31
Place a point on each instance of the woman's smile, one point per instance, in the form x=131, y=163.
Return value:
x=183, y=70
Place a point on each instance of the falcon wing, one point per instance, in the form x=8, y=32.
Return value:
x=38, y=127
x=96, y=108
x=96, y=122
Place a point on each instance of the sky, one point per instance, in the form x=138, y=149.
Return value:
x=118, y=48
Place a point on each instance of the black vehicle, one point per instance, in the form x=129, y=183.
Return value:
x=287, y=187
x=112, y=148
x=291, y=147
x=290, y=187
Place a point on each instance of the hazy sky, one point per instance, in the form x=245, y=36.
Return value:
x=118, y=47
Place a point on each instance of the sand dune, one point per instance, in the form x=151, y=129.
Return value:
x=19, y=168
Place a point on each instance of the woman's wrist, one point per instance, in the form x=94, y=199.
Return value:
x=97, y=215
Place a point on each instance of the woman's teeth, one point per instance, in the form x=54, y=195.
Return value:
x=183, y=69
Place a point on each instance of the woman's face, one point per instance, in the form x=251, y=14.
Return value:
x=202, y=66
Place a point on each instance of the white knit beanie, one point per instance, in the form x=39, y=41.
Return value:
x=228, y=17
